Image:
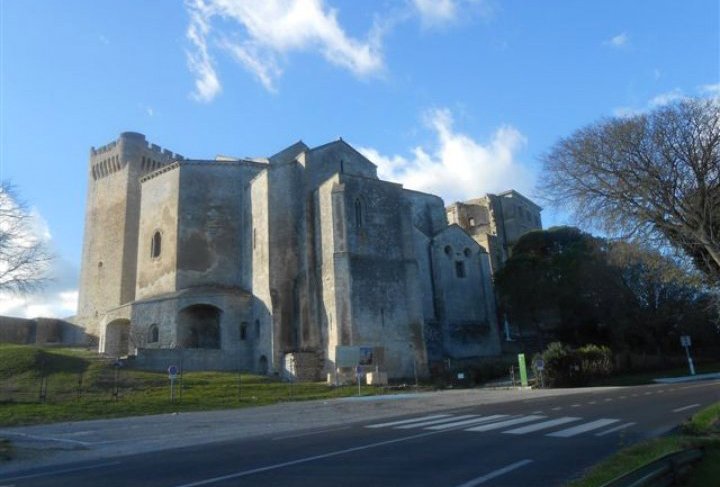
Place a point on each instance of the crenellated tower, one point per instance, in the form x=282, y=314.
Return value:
x=109, y=259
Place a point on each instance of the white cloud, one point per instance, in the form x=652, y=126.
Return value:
x=458, y=167
x=59, y=298
x=434, y=13
x=707, y=91
x=711, y=91
x=207, y=84
x=265, y=31
x=666, y=98
x=620, y=40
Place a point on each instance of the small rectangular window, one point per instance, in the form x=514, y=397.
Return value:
x=460, y=269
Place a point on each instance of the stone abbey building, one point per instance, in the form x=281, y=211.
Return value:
x=275, y=264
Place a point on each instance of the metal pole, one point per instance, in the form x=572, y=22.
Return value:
x=690, y=360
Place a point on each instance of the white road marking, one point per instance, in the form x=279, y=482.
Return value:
x=300, y=435
x=557, y=408
x=306, y=460
x=480, y=419
x=608, y=399
x=536, y=412
x=616, y=428
x=502, y=424
x=434, y=421
x=592, y=402
x=623, y=397
x=406, y=421
x=541, y=426
x=583, y=428
x=685, y=407
x=66, y=470
x=574, y=405
x=495, y=473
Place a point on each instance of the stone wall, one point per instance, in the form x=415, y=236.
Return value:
x=40, y=331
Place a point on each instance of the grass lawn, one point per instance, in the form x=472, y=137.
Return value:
x=703, y=430
x=78, y=386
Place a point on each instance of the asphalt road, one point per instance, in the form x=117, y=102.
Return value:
x=540, y=441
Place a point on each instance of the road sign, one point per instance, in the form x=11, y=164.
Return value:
x=172, y=372
x=359, y=371
x=685, y=340
x=540, y=364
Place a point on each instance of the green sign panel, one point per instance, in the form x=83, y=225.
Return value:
x=523, y=370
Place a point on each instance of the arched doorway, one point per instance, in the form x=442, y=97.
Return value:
x=117, y=338
x=199, y=326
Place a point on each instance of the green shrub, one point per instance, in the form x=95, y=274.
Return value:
x=567, y=367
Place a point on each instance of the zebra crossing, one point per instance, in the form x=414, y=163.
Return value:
x=561, y=427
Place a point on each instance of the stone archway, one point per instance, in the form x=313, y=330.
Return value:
x=117, y=338
x=199, y=326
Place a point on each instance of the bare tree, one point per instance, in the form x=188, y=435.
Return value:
x=654, y=176
x=23, y=256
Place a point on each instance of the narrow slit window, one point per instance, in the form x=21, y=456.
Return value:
x=243, y=331
x=358, y=213
x=460, y=269
x=156, y=245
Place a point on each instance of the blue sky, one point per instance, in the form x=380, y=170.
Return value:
x=455, y=97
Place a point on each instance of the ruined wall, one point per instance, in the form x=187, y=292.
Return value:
x=460, y=271
x=40, y=331
x=521, y=216
x=428, y=211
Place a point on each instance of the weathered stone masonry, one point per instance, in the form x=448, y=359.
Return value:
x=272, y=263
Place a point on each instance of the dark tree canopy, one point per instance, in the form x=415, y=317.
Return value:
x=655, y=175
x=23, y=257
x=564, y=284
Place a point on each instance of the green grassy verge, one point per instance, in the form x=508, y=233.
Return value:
x=703, y=430
x=79, y=386
x=640, y=378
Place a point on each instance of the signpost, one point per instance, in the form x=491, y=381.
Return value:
x=540, y=366
x=686, y=342
x=523, y=370
x=172, y=375
x=359, y=374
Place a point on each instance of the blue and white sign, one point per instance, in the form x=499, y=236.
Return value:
x=172, y=372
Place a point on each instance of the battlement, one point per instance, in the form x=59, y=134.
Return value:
x=107, y=159
x=139, y=139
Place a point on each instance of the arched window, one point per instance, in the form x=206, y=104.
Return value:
x=467, y=252
x=153, y=334
x=448, y=250
x=358, y=213
x=257, y=328
x=156, y=245
x=471, y=221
